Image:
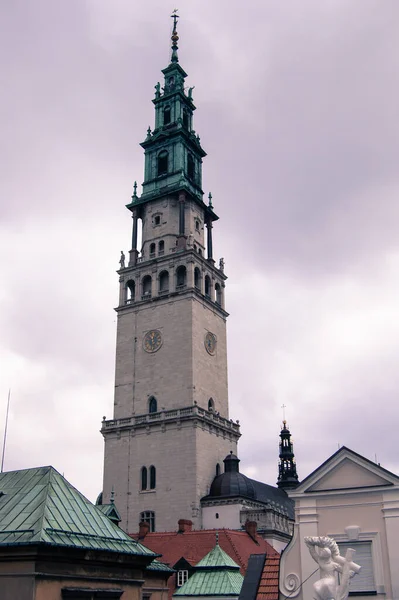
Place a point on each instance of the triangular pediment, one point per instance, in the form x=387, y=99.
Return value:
x=347, y=470
x=348, y=474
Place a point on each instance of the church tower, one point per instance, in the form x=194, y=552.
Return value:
x=171, y=428
x=287, y=475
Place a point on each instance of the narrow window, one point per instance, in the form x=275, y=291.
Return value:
x=130, y=292
x=157, y=220
x=185, y=118
x=143, y=478
x=152, y=405
x=207, y=286
x=200, y=251
x=197, y=225
x=211, y=404
x=164, y=282
x=162, y=163
x=217, y=470
x=217, y=515
x=147, y=284
x=190, y=167
x=181, y=276
x=161, y=248
x=148, y=516
x=153, y=477
x=218, y=291
x=197, y=278
x=152, y=250
x=182, y=577
x=166, y=115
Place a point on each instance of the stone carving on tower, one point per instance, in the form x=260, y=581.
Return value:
x=171, y=427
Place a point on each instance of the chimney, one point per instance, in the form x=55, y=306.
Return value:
x=184, y=525
x=144, y=528
x=250, y=528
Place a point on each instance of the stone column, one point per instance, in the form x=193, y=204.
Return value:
x=181, y=239
x=190, y=274
x=133, y=252
x=209, y=240
x=182, y=200
x=122, y=291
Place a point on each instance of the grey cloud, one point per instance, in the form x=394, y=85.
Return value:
x=297, y=108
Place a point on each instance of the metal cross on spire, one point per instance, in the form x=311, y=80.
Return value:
x=174, y=16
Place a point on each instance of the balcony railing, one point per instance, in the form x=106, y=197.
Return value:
x=172, y=415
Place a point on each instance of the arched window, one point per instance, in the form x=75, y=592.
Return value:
x=207, y=286
x=190, y=167
x=153, y=477
x=152, y=250
x=211, y=404
x=197, y=278
x=146, y=285
x=143, y=478
x=166, y=115
x=162, y=165
x=148, y=516
x=218, y=291
x=164, y=282
x=181, y=276
x=217, y=469
x=161, y=248
x=185, y=118
x=200, y=251
x=197, y=225
x=152, y=405
x=130, y=291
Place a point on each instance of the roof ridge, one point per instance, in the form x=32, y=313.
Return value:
x=241, y=562
x=43, y=517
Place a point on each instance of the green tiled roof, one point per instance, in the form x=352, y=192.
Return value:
x=217, y=558
x=215, y=575
x=158, y=566
x=38, y=506
x=110, y=511
x=212, y=583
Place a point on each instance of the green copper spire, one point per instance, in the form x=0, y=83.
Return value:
x=173, y=152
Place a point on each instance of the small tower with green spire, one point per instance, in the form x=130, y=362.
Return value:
x=171, y=425
x=287, y=475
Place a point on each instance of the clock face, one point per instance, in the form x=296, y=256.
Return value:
x=210, y=343
x=152, y=340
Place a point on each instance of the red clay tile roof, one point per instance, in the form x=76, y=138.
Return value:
x=268, y=585
x=194, y=545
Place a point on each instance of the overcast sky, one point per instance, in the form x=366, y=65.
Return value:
x=298, y=111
